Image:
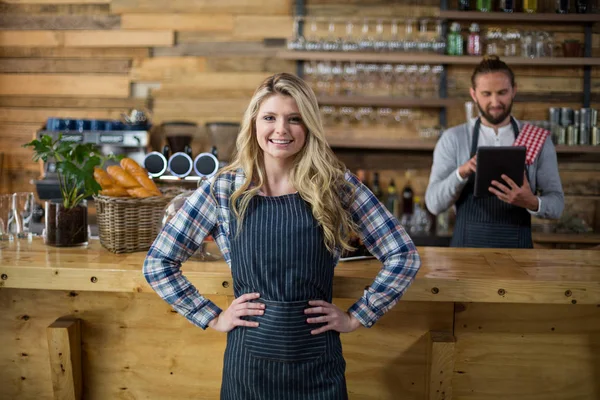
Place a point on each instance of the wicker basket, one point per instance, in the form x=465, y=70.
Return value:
x=127, y=225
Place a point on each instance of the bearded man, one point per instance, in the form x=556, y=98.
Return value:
x=502, y=220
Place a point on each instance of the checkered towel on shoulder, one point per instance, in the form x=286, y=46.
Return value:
x=532, y=137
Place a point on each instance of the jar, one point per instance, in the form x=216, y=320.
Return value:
x=530, y=6
x=562, y=6
x=474, y=42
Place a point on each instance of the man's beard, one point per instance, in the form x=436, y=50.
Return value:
x=495, y=120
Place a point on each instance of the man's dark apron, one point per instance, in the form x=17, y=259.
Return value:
x=280, y=253
x=488, y=221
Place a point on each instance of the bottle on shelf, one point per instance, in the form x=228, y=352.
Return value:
x=507, y=5
x=392, y=200
x=376, y=189
x=407, y=195
x=562, y=6
x=439, y=43
x=455, y=41
x=581, y=6
x=530, y=6
x=484, y=5
x=464, y=5
x=420, y=222
x=474, y=41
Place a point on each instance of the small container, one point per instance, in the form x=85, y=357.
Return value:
x=455, y=41
x=474, y=41
x=595, y=136
x=581, y=6
x=562, y=135
x=562, y=6
x=566, y=116
x=572, y=135
x=507, y=5
x=585, y=135
x=484, y=5
x=464, y=5
x=530, y=6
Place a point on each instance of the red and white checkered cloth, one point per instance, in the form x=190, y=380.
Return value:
x=532, y=137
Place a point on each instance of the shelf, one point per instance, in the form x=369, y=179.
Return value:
x=431, y=58
x=381, y=101
x=338, y=141
x=518, y=17
x=562, y=149
x=574, y=238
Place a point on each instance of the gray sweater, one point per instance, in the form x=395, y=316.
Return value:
x=453, y=149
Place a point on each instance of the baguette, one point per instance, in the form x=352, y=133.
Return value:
x=103, y=178
x=116, y=191
x=140, y=175
x=140, y=192
x=122, y=177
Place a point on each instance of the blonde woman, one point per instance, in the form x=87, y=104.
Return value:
x=281, y=213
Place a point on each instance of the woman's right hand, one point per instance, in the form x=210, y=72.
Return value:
x=240, y=307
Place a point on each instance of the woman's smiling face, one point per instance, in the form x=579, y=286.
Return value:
x=280, y=132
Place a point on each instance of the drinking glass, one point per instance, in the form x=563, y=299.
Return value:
x=380, y=44
x=312, y=41
x=6, y=216
x=350, y=43
x=395, y=44
x=349, y=76
x=366, y=42
x=22, y=211
x=400, y=87
x=333, y=42
x=410, y=42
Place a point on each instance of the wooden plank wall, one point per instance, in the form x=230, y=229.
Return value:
x=200, y=60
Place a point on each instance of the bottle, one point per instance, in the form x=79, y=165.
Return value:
x=377, y=187
x=507, y=5
x=464, y=5
x=455, y=41
x=562, y=6
x=407, y=196
x=530, y=6
x=474, y=42
x=581, y=6
x=420, y=223
x=484, y=5
x=392, y=199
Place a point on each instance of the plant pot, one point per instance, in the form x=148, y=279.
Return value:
x=66, y=227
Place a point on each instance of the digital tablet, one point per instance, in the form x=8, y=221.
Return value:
x=493, y=162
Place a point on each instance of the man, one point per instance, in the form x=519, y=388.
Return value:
x=502, y=220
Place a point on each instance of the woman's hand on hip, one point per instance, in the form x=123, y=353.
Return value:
x=240, y=307
x=335, y=318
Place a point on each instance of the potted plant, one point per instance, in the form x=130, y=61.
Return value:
x=66, y=218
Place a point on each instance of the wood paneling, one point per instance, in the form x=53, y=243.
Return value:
x=115, y=38
x=64, y=85
x=258, y=27
x=62, y=52
x=64, y=348
x=63, y=66
x=261, y=7
x=165, y=68
x=121, y=358
x=39, y=115
x=57, y=1
x=71, y=102
x=215, y=48
x=213, y=23
x=44, y=22
x=95, y=8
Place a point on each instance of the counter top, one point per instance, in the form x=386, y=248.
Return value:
x=447, y=274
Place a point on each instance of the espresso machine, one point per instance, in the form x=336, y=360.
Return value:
x=175, y=161
x=129, y=138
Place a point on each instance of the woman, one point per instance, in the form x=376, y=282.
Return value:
x=282, y=212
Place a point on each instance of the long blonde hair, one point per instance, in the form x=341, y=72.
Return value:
x=317, y=174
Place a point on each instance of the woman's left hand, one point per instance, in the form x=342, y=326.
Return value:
x=334, y=317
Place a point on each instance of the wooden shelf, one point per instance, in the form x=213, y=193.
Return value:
x=518, y=17
x=562, y=149
x=431, y=58
x=338, y=141
x=381, y=101
x=591, y=238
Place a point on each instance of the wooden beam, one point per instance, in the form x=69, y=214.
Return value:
x=64, y=347
x=60, y=85
x=440, y=366
x=179, y=22
x=86, y=38
x=40, y=115
x=261, y=7
x=71, y=102
x=57, y=1
x=258, y=27
x=51, y=22
x=55, y=8
x=64, y=66
x=74, y=53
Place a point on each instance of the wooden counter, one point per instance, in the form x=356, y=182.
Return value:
x=476, y=324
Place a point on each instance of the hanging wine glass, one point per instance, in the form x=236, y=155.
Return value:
x=379, y=44
x=395, y=44
x=423, y=43
x=410, y=43
x=350, y=43
x=312, y=41
x=439, y=42
x=296, y=42
x=366, y=41
x=333, y=42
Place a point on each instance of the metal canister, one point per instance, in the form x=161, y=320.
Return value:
x=595, y=136
x=562, y=135
x=566, y=116
x=576, y=117
x=585, y=116
x=593, y=117
x=585, y=134
x=572, y=135
x=554, y=115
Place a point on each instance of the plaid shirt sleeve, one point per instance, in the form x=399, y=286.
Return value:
x=177, y=241
x=387, y=240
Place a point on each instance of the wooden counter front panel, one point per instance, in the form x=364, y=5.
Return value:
x=134, y=346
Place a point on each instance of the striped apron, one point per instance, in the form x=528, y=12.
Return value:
x=488, y=221
x=280, y=253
